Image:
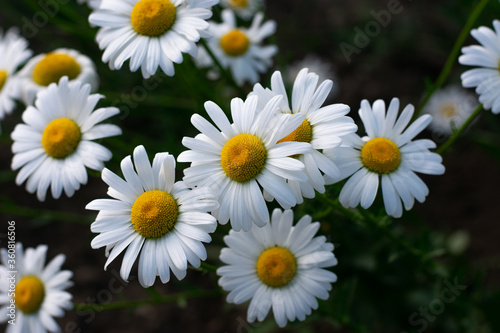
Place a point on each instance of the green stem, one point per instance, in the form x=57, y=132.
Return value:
x=159, y=299
x=459, y=131
x=368, y=219
x=204, y=267
x=224, y=72
x=452, y=57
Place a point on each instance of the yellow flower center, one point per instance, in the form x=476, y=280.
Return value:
x=303, y=133
x=3, y=78
x=276, y=266
x=238, y=3
x=235, y=43
x=61, y=137
x=153, y=17
x=243, y=157
x=29, y=294
x=53, y=67
x=154, y=213
x=448, y=110
x=381, y=155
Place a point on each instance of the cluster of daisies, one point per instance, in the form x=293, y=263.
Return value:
x=277, y=145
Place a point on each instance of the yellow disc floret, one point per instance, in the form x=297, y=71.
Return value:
x=153, y=17
x=276, y=266
x=243, y=157
x=29, y=294
x=380, y=155
x=53, y=67
x=238, y=3
x=235, y=43
x=303, y=133
x=3, y=78
x=448, y=110
x=61, y=137
x=154, y=213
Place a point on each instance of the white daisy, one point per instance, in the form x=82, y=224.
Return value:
x=240, y=49
x=54, y=144
x=39, y=290
x=165, y=221
x=13, y=52
x=44, y=69
x=150, y=33
x=278, y=266
x=245, y=9
x=487, y=78
x=323, y=127
x=449, y=108
x=242, y=156
x=321, y=67
x=386, y=154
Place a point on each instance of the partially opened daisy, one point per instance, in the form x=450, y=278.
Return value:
x=13, y=52
x=39, y=290
x=151, y=33
x=240, y=49
x=44, y=69
x=323, y=126
x=449, y=107
x=279, y=267
x=154, y=218
x=245, y=9
x=242, y=156
x=486, y=78
x=54, y=144
x=387, y=155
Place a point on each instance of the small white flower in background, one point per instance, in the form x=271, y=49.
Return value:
x=93, y=4
x=54, y=144
x=239, y=157
x=323, y=126
x=44, y=69
x=13, y=52
x=240, y=49
x=388, y=155
x=321, y=67
x=158, y=220
x=486, y=78
x=449, y=107
x=39, y=293
x=245, y=9
x=151, y=33
x=279, y=267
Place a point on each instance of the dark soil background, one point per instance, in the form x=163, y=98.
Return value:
x=397, y=62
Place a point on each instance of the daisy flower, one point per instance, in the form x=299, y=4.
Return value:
x=54, y=144
x=245, y=9
x=323, y=126
x=13, y=52
x=153, y=215
x=242, y=156
x=279, y=266
x=44, y=69
x=485, y=79
x=450, y=108
x=240, y=49
x=39, y=290
x=322, y=68
x=150, y=33
x=388, y=155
